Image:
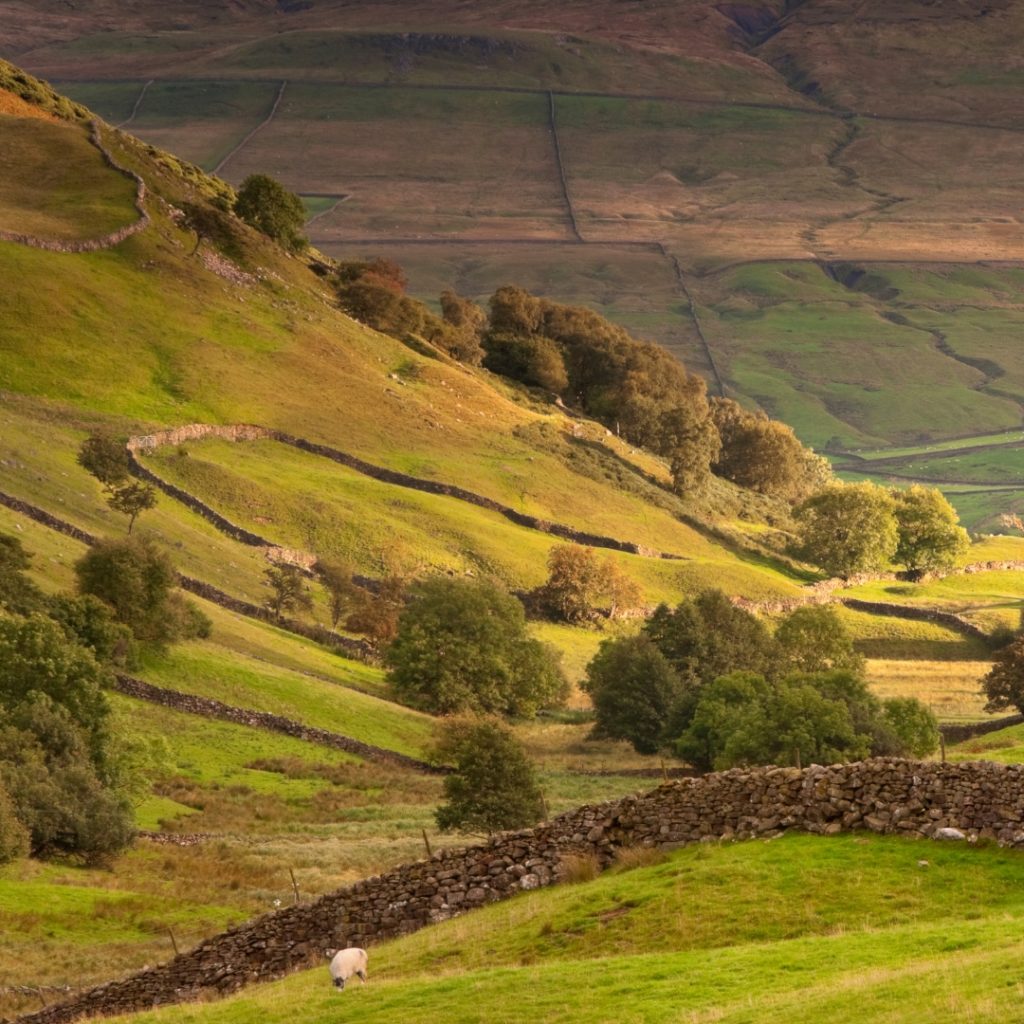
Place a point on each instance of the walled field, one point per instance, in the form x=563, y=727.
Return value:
x=54, y=183
x=799, y=928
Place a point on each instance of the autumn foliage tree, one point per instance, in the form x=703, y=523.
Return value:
x=765, y=455
x=578, y=582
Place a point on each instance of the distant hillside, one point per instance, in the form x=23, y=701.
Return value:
x=800, y=200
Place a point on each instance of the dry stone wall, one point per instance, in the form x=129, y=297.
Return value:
x=251, y=432
x=207, y=707
x=319, y=634
x=980, y=799
x=105, y=241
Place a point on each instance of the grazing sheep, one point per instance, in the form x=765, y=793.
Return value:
x=345, y=963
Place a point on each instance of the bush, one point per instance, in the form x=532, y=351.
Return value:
x=462, y=645
x=57, y=789
x=493, y=786
x=37, y=658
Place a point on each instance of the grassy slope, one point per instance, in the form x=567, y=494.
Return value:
x=799, y=928
x=55, y=185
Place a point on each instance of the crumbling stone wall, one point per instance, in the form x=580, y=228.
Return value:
x=891, y=796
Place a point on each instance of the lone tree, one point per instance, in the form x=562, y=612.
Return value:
x=132, y=500
x=578, y=581
x=106, y=458
x=462, y=645
x=930, y=536
x=342, y=591
x=493, y=787
x=288, y=590
x=848, y=528
x=266, y=205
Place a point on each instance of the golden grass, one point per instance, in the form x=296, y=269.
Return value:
x=952, y=689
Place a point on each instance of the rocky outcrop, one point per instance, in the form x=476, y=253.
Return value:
x=981, y=800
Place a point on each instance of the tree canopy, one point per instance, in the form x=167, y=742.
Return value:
x=493, y=786
x=266, y=205
x=634, y=690
x=462, y=645
x=929, y=533
x=136, y=579
x=848, y=528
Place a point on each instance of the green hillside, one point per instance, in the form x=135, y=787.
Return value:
x=837, y=208
x=796, y=929
x=160, y=331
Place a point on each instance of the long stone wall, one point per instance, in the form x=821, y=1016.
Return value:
x=319, y=634
x=207, y=707
x=104, y=241
x=911, y=798
x=252, y=432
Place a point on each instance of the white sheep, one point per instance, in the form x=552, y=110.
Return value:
x=345, y=963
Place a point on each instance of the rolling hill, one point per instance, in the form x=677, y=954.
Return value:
x=743, y=183
x=153, y=332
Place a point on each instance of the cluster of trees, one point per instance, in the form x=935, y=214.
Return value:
x=374, y=292
x=106, y=458
x=708, y=680
x=68, y=778
x=852, y=528
x=635, y=388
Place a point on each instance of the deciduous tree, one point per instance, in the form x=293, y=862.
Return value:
x=266, y=205
x=930, y=536
x=462, y=645
x=634, y=691
x=493, y=787
x=288, y=590
x=848, y=528
x=814, y=639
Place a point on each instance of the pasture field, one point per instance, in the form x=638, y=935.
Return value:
x=952, y=689
x=54, y=183
x=201, y=121
x=382, y=528
x=798, y=928
x=438, y=163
